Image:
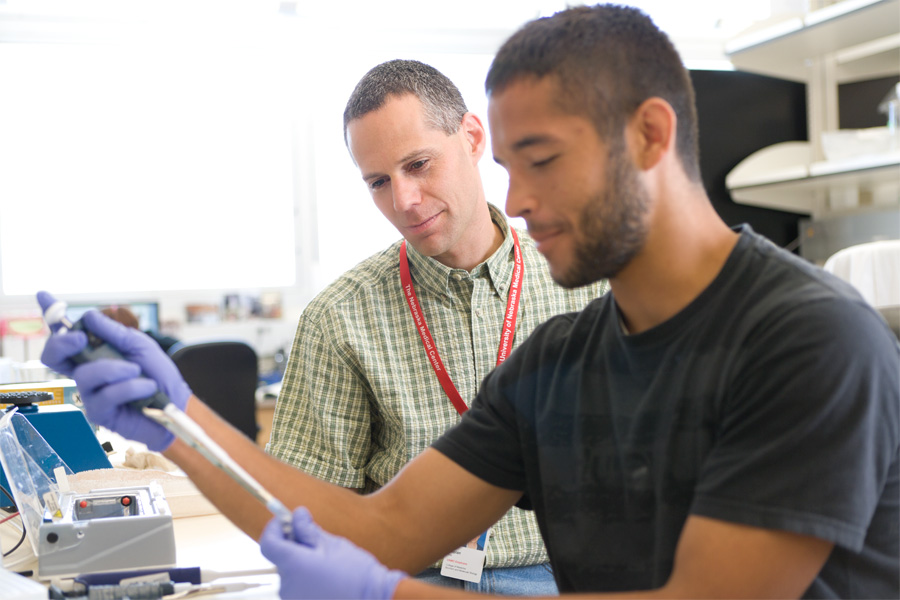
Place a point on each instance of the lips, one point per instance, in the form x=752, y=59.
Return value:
x=541, y=234
x=544, y=236
x=421, y=226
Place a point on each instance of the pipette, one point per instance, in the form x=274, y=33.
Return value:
x=161, y=410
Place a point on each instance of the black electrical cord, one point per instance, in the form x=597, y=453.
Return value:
x=8, y=495
x=19, y=543
x=21, y=539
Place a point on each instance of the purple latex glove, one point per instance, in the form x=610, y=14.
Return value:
x=107, y=386
x=317, y=564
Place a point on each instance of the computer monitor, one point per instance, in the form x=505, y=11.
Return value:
x=147, y=313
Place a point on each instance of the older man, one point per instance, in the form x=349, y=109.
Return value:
x=363, y=392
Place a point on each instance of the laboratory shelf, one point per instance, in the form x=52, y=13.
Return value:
x=818, y=188
x=850, y=40
x=862, y=35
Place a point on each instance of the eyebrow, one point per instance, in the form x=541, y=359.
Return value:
x=531, y=140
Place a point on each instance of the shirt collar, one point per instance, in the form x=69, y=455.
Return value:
x=498, y=268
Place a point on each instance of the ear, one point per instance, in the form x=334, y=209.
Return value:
x=474, y=135
x=651, y=132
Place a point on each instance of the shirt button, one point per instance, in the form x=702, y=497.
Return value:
x=457, y=276
x=478, y=312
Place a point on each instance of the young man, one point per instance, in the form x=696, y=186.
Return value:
x=724, y=423
x=360, y=395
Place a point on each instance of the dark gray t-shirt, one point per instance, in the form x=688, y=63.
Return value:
x=772, y=400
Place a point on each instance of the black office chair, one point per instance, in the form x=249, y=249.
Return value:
x=224, y=374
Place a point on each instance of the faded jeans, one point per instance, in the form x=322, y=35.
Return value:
x=534, y=580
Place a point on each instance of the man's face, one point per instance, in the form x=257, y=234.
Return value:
x=583, y=200
x=424, y=181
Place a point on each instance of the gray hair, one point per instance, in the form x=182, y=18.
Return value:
x=443, y=104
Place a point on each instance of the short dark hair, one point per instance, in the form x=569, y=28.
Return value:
x=443, y=104
x=607, y=59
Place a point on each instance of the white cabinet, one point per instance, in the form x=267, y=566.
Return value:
x=852, y=40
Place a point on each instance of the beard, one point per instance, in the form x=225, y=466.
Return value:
x=613, y=225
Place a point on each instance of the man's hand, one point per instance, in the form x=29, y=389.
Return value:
x=107, y=386
x=317, y=564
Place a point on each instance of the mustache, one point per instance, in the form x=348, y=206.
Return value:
x=537, y=230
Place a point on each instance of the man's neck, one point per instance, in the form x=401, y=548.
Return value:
x=482, y=239
x=680, y=259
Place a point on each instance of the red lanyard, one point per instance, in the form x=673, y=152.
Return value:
x=506, y=336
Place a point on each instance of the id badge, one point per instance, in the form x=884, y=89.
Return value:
x=467, y=562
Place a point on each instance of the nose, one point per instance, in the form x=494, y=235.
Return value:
x=518, y=200
x=406, y=194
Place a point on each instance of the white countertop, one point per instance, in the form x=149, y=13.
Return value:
x=210, y=542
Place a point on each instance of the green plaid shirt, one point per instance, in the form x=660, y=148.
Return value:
x=360, y=399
